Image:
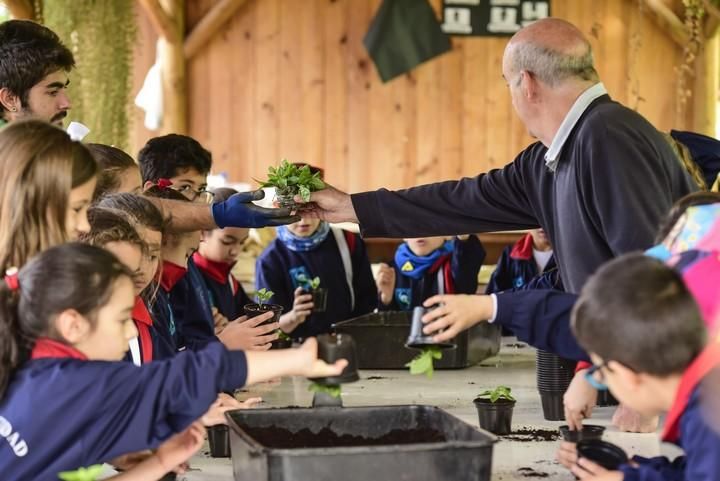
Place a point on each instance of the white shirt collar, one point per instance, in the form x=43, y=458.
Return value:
x=578, y=108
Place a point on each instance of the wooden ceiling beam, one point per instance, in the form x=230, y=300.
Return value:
x=209, y=25
x=666, y=19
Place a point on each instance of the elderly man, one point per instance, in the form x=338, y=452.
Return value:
x=599, y=180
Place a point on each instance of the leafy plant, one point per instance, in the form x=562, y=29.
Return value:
x=290, y=180
x=263, y=296
x=500, y=392
x=423, y=362
x=90, y=473
x=310, y=283
x=333, y=391
x=282, y=336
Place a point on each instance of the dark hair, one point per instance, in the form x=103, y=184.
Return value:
x=165, y=193
x=637, y=311
x=29, y=52
x=107, y=225
x=679, y=208
x=170, y=155
x=221, y=194
x=113, y=162
x=135, y=209
x=70, y=276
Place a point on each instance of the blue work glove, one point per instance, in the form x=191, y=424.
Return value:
x=239, y=211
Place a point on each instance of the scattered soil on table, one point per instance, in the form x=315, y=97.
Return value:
x=526, y=435
x=517, y=345
x=373, y=378
x=531, y=473
x=280, y=438
x=472, y=382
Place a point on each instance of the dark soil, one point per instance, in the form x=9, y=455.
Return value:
x=517, y=345
x=372, y=378
x=280, y=438
x=531, y=473
x=525, y=435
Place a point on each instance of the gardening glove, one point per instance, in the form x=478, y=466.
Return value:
x=239, y=211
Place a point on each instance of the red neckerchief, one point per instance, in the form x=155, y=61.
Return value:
x=171, y=274
x=700, y=367
x=523, y=248
x=218, y=271
x=143, y=322
x=45, y=347
x=444, y=264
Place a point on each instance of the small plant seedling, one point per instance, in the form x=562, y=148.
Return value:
x=333, y=391
x=314, y=283
x=290, y=180
x=90, y=473
x=308, y=283
x=500, y=392
x=263, y=296
x=423, y=362
x=282, y=336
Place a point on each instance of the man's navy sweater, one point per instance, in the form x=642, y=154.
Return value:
x=616, y=178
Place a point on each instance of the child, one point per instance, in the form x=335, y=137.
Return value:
x=428, y=266
x=647, y=340
x=72, y=305
x=179, y=159
x=216, y=256
x=311, y=248
x=118, y=171
x=531, y=256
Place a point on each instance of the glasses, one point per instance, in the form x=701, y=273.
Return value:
x=200, y=195
x=599, y=381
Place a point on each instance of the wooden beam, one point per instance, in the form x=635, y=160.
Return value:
x=163, y=23
x=666, y=19
x=704, y=87
x=21, y=9
x=173, y=71
x=712, y=19
x=206, y=28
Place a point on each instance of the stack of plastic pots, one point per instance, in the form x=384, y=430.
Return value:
x=417, y=339
x=605, y=398
x=553, y=378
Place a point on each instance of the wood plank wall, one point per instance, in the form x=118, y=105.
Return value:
x=291, y=78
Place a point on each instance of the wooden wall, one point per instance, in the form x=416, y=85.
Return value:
x=291, y=78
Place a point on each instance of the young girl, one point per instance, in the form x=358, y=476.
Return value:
x=118, y=171
x=71, y=304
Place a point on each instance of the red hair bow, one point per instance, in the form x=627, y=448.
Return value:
x=164, y=183
x=11, y=279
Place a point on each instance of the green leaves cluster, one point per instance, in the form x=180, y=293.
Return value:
x=90, y=473
x=313, y=283
x=333, y=391
x=423, y=362
x=291, y=180
x=500, y=392
x=263, y=296
x=282, y=336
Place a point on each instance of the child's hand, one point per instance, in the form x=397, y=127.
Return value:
x=633, y=422
x=248, y=335
x=310, y=366
x=385, y=281
x=586, y=469
x=567, y=454
x=224, y=402
x=179, y=448
x=579, y=400
x=302, y=308
x=455, y=314
x=219, y=320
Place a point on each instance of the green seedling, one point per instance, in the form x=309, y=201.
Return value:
x=282, y=336
x=290, y=180
x=263, y=296
x=423, y=362
x=332, y=391
x=90, y=473
x=500, y=392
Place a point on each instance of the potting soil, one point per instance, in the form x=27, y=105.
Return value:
x=280, y=438
x=525, y=435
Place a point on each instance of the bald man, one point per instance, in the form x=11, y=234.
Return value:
x=599, y=179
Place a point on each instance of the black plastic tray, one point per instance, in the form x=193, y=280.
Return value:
x=380, y=340
x=466, y=455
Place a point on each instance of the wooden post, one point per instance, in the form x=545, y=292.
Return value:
x=173, y=71
x=705, y=87
x=21, y=9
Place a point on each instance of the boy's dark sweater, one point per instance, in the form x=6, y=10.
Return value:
x=273, y=272
x=616, y=179
x=228, y=299
x=464, y=264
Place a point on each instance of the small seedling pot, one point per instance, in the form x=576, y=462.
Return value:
x=607, y=455
x=319, y=299
x=495, y=417
x=287, y=201
x=332, y=347
x=254, y=310
x=552, y=406
x=324, y=400
x=219, y=441
x=418, y=340
x=587, y=433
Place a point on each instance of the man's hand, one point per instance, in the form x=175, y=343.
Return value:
x=239, y=211
x=455, y=313
x=329, y=204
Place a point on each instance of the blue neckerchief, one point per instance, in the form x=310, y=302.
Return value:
x=303, y=244
x=660, y=252
x=414, y=266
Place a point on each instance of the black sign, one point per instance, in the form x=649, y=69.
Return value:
x=495, y=18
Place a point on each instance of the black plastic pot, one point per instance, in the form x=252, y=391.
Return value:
x=319, y=299
x=332, y=347
x=588, y=432
x=169, y=477
x=552, y=406
x=495, y=417
x=219, y=440
x=254, y=310
x=603, y=453
x=418, y=340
